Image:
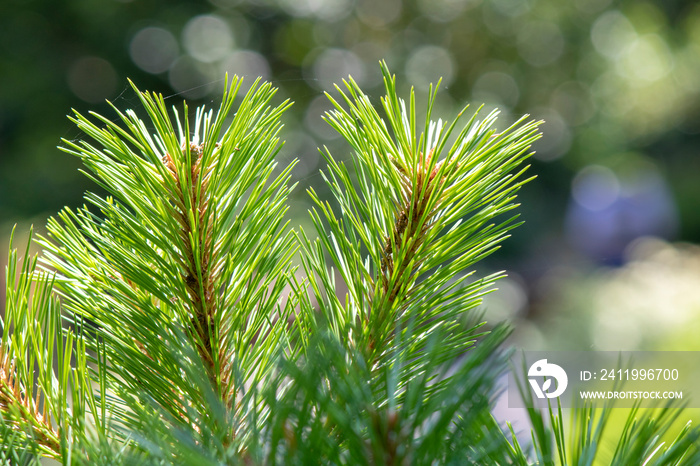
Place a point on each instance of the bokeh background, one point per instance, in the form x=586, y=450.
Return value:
x=607, y=256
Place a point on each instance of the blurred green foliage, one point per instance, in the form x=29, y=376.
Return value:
x=616, y=82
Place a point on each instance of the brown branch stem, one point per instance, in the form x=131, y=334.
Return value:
x=14, y=395
x=409, y=228
x=198, y=273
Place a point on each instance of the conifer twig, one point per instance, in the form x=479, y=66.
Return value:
x=192, y=243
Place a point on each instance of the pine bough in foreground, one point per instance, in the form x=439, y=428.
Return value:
x=168, y=323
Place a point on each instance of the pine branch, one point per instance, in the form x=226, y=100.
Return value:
x=193, y=243
x=421, y=211
x=415, y=215
x=20, y=399
x=36, y=376
x=331, y=412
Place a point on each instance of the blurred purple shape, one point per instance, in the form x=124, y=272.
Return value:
x=606, y=213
